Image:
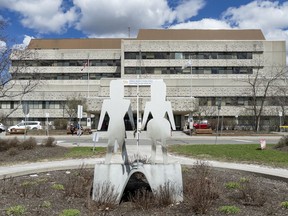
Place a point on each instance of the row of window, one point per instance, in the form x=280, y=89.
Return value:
x=238, y=101
x=134, y=55
x=66, y=76
x=195, y=70
x=188, y=55
x=33, y=104
x=203, y=101
x=67, y=63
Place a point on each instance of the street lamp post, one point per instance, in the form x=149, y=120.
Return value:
x=88, y=74
x=189, y=64
x=219, y=108
x=280, y=120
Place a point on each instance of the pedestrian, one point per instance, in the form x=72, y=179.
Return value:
x=79, y=131
x=72, y=129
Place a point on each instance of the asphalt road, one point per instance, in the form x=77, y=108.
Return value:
x=177, y=138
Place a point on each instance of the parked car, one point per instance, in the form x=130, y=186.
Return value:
x=2, y=128
x=204, y=124
x=33, y=125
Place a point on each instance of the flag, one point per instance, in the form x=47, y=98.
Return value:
x=187, y=64
x=85, y=65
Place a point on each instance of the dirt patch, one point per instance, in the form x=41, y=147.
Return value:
x=52, y=192
x=38, y=153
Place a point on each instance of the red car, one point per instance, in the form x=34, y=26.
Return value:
x=202, y=125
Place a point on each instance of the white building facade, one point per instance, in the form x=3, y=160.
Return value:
x=201, y=68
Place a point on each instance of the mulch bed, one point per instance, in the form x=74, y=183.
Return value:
x=38, y=194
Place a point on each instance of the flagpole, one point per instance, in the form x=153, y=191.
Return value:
x=88, y=94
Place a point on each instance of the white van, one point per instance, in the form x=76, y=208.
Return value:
x=33, y=125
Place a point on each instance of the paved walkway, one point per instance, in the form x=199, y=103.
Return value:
x=144, y=151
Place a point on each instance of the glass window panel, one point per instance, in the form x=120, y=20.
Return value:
x=221, y=56
x=228, y=55
x=150, y=56
x=229, y=70
x=214, y=55
x=240, y=101
x=178, y=55
x=221, y=70
x=249, y=55
x=207, y=70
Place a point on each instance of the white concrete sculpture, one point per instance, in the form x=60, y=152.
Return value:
x=158, y=128
x=117, y=176
x=116, y=107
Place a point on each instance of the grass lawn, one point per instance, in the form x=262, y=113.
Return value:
x=82, y=152
x=246, y=153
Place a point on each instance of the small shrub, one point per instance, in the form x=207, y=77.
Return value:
x=28, y=144
x=46, y=204
x=250, y=194
x=79, y=183
x=142, y=199
x=105, y=195
x=16, y=210
x=13, y=151
x=58, y=186
x=60, y=124
x=232, y=185
x=6, y=144
x=70, y=212
x=284, y=204
x=282, y=142
x=26, y=188
x=165, y=193
x=201, y=190
x=243, y=180
x=229, y=209
x=7, y=185
x=49, y=142
x=185, y=169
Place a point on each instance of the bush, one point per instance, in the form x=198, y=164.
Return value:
x=142, y=199
x=105, y=195
x=60, y=124
x=46, y=204
x=28, y=144
x=6, y=144
x=282, y=142
x=229, y=209
x=70, y=212
x=58, y=186
x=49, y=142
x=79, y=184
x=165, y=193
x=16, y=210
x=13, y=151
x=284, y=204
x=249, y=194
x=3, y=145
x=232, y=185
x=202, y=190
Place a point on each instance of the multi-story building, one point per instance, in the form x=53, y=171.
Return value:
x=216, y=65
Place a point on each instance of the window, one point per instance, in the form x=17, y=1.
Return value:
x=240, y=101
x=178, y=55
x=203, y=101
x=5, y=105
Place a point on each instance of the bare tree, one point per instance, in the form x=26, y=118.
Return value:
x=260, y=85
x=71, y=106
x=16, y=80
x=281, y=100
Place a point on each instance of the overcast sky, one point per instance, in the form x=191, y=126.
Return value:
x=111, y=18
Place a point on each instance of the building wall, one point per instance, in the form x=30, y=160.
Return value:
x=180, y=87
